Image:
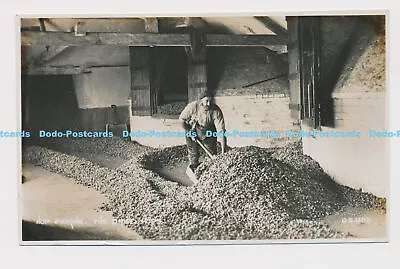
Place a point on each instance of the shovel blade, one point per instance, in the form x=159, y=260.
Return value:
x=192, y=176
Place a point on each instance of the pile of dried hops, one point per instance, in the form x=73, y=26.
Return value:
x=246, y=193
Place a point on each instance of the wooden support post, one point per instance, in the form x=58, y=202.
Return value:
x=140, y=81
x=79, y=29
x=304, y=66
x=197, y=68
x=42, y=25
x=151, y=25
x=294, y=68
x=197, y=77
x=310, y=57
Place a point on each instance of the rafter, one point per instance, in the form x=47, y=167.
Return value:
x=273, y=26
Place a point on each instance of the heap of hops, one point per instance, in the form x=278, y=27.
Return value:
x=246, y=193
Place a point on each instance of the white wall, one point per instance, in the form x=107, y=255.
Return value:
x=355, y=162
x=103, y=87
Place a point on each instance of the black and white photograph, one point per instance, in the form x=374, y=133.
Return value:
x=204, y=130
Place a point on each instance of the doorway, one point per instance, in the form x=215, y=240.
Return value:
x=170, y=82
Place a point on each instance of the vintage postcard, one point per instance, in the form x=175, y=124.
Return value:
x=204, y=130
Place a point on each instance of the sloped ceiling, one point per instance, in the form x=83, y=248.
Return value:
x=239, y=25
x=222, y=25
x=119, y=56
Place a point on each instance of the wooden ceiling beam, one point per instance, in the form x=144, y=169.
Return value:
x=63, y=70
x=216, y=40
x=54, y=71
x=146, y=39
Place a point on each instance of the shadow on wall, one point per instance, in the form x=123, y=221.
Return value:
x=344, y=40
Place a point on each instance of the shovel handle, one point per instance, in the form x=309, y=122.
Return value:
x=205, y=149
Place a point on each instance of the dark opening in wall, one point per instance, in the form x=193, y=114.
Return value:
x=172, y=91
x=49, y=103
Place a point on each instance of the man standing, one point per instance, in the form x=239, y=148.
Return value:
x=200, y=116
